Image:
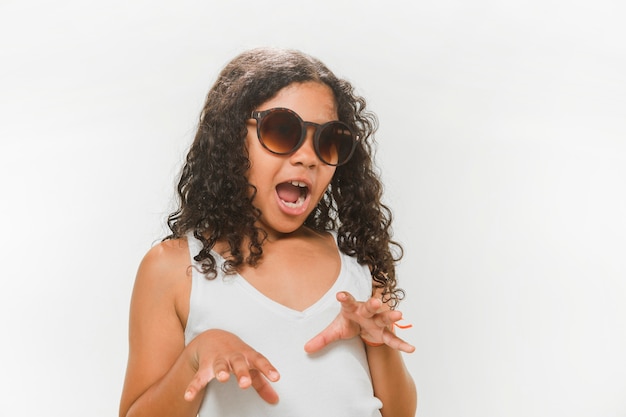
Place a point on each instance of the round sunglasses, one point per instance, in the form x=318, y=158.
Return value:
x=282, y=131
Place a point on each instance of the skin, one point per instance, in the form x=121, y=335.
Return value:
x=166, y=378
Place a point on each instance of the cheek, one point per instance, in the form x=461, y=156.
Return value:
x=328, y=177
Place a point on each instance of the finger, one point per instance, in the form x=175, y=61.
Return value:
x=388, y=318
x=240, y=367
x=370, y=308
x=393, y=341
x=348, y=303
x=352, y=308
x=263, y=387
x=325, y=337
x=221, y=369
x=198, y=383
x=263, y=365
x=382, y=321
x=320, y=341
x=374, y=327
x=373, y=306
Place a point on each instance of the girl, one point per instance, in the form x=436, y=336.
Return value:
x=275, y=292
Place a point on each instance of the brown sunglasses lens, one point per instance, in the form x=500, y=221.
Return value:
x=281, y=132
x=335, y=143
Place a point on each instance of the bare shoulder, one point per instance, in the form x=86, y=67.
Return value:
x=164, y=277
x=165, y=259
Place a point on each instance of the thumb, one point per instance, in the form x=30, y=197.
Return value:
x=198, y=383
x=323, y=338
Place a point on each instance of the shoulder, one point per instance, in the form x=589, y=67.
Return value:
x=164, y=276
x=166, y=257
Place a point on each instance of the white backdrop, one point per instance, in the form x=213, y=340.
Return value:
x=502, y=145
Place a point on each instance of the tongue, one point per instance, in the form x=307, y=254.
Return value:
x=288, y=192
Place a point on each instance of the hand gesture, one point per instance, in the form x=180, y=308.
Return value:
x=372, y=320
x=218, y=353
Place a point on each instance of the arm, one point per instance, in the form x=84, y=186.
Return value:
x=392, y=382
x=164, y=377
x=157, y=370
x=373, y=321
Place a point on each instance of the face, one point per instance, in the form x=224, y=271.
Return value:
x=290, y=186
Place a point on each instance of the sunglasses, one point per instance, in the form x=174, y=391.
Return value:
x=281, y=131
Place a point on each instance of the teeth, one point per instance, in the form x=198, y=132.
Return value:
x=300, y=201
x=296, y=204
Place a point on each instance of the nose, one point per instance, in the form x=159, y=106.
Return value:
x=305, y=155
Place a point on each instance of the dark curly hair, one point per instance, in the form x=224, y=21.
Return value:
x=215, y=198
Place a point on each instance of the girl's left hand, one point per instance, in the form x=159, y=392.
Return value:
x=371, y=319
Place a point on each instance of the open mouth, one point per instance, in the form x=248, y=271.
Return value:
x=292, y=193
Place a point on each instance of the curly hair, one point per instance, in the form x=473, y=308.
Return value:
x=215, y=197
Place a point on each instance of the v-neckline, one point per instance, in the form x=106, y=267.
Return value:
x=270, y=303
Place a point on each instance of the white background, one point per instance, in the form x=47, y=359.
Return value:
x=502, y=145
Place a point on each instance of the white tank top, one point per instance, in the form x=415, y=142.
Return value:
x=333, y=382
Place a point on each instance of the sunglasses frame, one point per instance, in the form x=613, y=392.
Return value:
x=260, y=115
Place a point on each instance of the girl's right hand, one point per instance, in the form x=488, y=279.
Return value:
x=217, y=354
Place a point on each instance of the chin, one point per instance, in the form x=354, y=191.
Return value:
x=282, y=228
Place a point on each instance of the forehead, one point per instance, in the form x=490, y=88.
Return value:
x=313, y=101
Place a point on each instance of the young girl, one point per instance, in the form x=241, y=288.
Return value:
x=274, y=295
